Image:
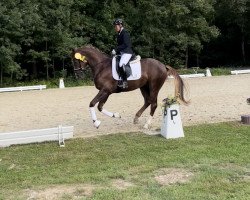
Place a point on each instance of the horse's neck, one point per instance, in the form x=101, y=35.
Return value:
x=95, y=60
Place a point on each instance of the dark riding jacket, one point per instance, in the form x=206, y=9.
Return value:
x=124, y=43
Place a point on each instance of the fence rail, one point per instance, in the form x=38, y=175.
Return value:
x=236, y=72
x=23, y=88
x=39, y=135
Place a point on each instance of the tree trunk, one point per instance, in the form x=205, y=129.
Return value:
x=197, y=60
x=54, y=73
x=243, y=49
x=34, y=69
x=11, y=76
x=63, y=63
x=47, y=71
x=186, y=62
x=1, y=81
x=46, y=62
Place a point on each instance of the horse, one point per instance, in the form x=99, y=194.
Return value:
x=153, y=75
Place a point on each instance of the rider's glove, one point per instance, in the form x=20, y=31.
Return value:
x=113, y=52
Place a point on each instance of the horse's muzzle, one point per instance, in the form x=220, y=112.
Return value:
x=79, y=74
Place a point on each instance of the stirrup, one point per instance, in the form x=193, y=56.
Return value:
x=125, y=84
x=120, y=83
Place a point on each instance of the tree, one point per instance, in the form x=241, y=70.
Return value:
x=234, y=16
x=10, y=33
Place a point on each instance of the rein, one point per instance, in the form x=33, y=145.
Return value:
x=81, y=69
x=78, y=69
x=101, y=61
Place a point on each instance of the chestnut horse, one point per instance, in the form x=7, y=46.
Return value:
x=153, y=76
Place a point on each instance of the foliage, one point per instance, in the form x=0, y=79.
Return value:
x=169, y=101
x=221, y=71
x=36, y=38
x=217, y=155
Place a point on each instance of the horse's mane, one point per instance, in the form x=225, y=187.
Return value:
x=90, y=46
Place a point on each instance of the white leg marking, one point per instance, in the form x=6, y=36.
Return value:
x=94, y=118
x=105, y=112
x=110, y=114
x=148, y=123
x=92, y=112
x=117, y=115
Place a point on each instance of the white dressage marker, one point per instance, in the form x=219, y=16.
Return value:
x=208, y=73
x=61, y=83
x=172, y=125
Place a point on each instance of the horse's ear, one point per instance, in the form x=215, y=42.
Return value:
x=73, y=49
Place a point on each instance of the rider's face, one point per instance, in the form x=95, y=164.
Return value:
x=117, y=28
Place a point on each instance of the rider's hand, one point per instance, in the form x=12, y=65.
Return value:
x=113, y=52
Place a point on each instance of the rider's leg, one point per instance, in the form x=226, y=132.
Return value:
x=125, y=57
x=124, y=78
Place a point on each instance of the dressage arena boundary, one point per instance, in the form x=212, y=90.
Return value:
x=59, y=134
x=236, y=72
x=23, y=88
x=191, y=75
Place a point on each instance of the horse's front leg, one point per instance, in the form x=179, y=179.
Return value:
x=105, y=112
x=102, y=95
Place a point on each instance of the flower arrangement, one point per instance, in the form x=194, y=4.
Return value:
x=169, y=101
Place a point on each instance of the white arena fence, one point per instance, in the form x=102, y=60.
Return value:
x=59, y=134
x=23, y=88
x=236, y=72
x=190, y=75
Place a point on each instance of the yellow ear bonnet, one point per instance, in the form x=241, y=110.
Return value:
x=81, y=57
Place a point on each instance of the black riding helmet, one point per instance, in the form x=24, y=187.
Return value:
x=118, y=22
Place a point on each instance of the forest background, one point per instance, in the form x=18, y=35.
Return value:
x=37, y=37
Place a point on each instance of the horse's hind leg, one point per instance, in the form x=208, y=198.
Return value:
x=153, y=100
x=145, y=94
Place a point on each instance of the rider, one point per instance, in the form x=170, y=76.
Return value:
x=124, y=48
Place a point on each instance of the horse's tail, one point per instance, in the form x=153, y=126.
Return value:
x=179, y=85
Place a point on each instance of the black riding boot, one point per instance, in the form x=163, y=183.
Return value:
x=120, y=73
x=122, y=83
x=124, y=78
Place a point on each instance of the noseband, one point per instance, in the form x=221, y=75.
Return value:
x=79, y=68
x=80, y=58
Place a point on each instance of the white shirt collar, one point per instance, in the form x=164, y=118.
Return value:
x=121, y=30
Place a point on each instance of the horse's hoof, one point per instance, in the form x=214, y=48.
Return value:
x=146, y=126
x=97, y=123
x=117, y=115
x=248, y=101
x=136, y=120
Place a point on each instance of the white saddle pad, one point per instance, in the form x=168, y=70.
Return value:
x=135, y=68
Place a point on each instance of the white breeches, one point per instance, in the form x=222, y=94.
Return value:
x=124, y=59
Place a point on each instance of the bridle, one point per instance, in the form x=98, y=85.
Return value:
x=80, y=58
x=79, y=68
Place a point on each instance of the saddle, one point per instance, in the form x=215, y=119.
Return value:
x=132, y=69
x=128, y=70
